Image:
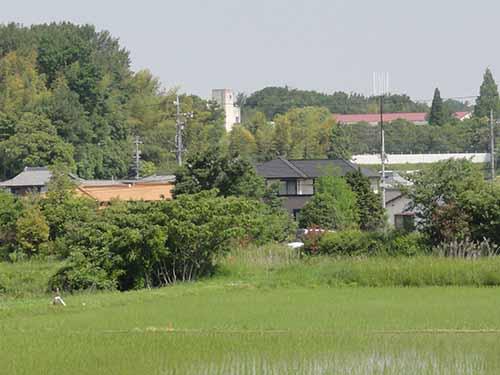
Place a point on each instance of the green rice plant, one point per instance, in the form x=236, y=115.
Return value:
x=217, y=327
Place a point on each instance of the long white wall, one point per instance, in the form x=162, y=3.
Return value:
x=368, y=159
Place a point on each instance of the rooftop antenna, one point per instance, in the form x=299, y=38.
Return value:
x=381, y=89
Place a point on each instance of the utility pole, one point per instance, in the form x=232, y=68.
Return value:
x=492, y=146
x=382, y=151
x=180, y=123
x=381, y=88
x=137, y=157
x=179, y=127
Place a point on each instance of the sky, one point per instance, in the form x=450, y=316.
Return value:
x=323, y=45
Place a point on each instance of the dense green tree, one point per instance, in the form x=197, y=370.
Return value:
x=278, y=100
x=454, y=105
x=303, y=133
x=35, y=144
x=488, y=99
x=14, y=37
x=436, y=197
x=80, y=79
x=68, y=115
x=254, y=120
x=242, y=142
x=61, y=207
x=7, y=126
x=482, y=207
x=333, y=206
x=213, y=169
x=134, y=245
x=439, y=114
x=405, y=137
x=10, y=209
x=340, y=143
x=264, y=138
x=32, y=231
x=371, y=213
x=21, y=87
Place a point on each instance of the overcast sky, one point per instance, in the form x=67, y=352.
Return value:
x=324, y=45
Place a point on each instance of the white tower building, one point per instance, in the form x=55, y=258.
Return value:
x=225, y=98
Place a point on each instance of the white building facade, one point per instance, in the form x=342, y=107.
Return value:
x=225, y=98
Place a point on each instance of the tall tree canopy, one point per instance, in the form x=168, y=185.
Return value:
x=279, y=100
x=488, y=99
x=79, y=81
x=439, y=114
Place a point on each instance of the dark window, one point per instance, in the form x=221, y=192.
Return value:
x=288, y=187
x=404, y=222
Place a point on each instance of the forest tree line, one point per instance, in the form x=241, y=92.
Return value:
x=68, y=96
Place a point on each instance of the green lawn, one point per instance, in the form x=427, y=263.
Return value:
x=257, y=317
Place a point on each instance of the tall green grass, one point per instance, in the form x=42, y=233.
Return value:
x=277, y=265
x=26, y=278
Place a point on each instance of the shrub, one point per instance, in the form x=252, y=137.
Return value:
x=355, y=242
x=85, y=277
x=138, y=244
x=408, y=244
x=32, y=231
x=349, y=242
x=10, y=209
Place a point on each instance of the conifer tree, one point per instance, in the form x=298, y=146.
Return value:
x=438, y=114
x=488, y=98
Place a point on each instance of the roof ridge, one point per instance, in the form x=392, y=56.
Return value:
x=293, y=167
x=27, y=169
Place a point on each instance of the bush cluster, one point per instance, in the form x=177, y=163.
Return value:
x=359, y=243
x=133, y=245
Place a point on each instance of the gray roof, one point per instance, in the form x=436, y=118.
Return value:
x=40, y=176
x=145, y=180
x=155, y=178
x=30, y=176
x=393, y=179
x=283, y=168
x=392, y=195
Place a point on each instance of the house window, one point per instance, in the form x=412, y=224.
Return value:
x=306, y=187
x=405, y=222
x=288, y=187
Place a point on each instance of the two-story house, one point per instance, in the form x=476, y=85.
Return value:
x=296, y=178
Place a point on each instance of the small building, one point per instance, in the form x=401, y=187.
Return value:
x=153, y=188
x=296, y=178
x=418, y=118
x=30, y=180
x=397, y=203
x=225, y=98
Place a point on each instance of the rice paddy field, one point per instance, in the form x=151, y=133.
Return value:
x=254, y=318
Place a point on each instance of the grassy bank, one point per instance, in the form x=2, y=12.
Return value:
x=278, y=266
x=26, y=279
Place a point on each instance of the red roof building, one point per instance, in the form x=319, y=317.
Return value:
x=419, y=118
